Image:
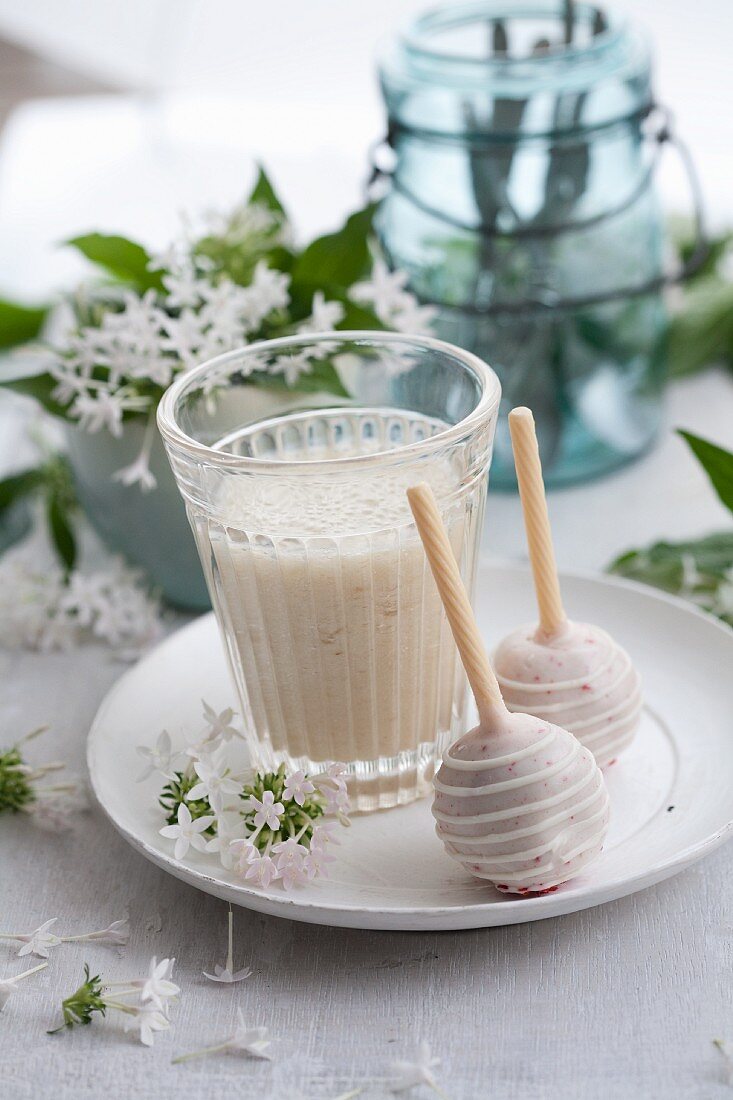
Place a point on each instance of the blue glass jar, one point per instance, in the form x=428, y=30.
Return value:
x=521, y=201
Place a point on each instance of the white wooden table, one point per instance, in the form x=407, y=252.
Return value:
x=615, y=1002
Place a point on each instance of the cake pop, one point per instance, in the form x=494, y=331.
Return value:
x=518, y=800
x=566, y=672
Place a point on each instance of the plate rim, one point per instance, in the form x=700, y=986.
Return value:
x=535, y=908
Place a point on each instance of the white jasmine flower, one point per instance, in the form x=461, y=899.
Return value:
x=159, y=759
x=220, y=725
x=222, y=841
x=336, y=799
x=40, y=941
x=187, y=833
x=54, y=810
x=297, y=787
x=324, y=315
x=324, y=834
x=139, y=472
x=39, y=611
x=185, y=336
x=262, y=870
x=158, y=988
x=242, y=852
x=267, y=292
x=227, y=973
x=293, y=365
x=214, y=782
x=268, y=811
x=8, y=985
x=413, y=318
x=315, y=861
x=420, y=1072
x=384, y=290
x=116, y=934
x=250, y=1040
x=185, y=289
x=148, y=1019
x=104, y=409
x=291, y=856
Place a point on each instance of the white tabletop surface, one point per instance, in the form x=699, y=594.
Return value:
x=614, y=1002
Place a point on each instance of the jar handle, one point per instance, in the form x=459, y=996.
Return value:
x=662, y=137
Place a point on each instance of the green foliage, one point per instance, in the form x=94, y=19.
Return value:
x=122, y=258
x=700, y=570
x=83, y=1003
x=38, y=386
x=293, y=818
x=717, y=464
x=20, y=324
x=174, y=793
x=15, y=790
x=701, y=334
x=337, y=260
x=264, y=193
x=53, y=480
x=701, y=331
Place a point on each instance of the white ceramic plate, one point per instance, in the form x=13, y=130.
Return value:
x=671, y=792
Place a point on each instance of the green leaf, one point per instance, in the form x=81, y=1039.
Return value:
x=717, y=464
x=357, y=317
x=19, y=324
x=121, y=257
x=263, y=192
x=19, y=485
x=698, y=570
x=338, y=259
x=701, y=335
x=60, y=529
x=38, y=386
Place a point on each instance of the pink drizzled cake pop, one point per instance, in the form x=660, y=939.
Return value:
x=566, y=672
x=518, y=800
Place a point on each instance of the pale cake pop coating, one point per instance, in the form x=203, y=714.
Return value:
x=523, y=804
x=579, y=678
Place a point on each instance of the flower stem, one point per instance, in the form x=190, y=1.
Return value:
x=230, y=949
x=199, y=1053
x=27, y=973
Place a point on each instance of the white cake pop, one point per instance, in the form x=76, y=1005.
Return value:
x=570, y=673
x=518, y=801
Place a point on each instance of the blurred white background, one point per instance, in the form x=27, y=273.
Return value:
x=214, y=83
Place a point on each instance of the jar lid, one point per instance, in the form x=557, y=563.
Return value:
x=447, y=70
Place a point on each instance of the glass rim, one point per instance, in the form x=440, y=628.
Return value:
x=174, y=435
x=418, y=33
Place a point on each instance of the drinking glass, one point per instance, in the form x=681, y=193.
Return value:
x=334, y=632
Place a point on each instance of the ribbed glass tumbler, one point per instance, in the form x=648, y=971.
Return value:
x=332, y=625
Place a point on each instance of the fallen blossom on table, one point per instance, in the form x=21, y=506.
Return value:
x=144, y=1002
x=227, y=973
x=245, y=1039
x=42, y=940
x=410, y=1075
x=8, y=986
x=23, y=788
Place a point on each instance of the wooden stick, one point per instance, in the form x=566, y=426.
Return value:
x=537, y=522
x=455, y=600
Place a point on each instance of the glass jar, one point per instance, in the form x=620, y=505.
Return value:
x=522, y=203
x=331, y=622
